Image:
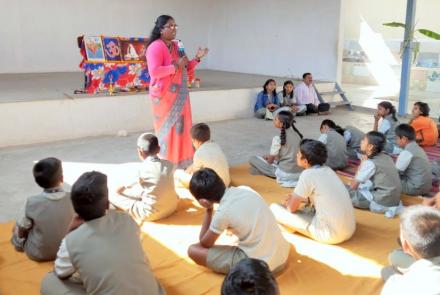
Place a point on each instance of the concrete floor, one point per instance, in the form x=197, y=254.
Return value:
x=239, y=139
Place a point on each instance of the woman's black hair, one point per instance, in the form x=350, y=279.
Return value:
x=388, y=106
x=250, y=276
x=274, y=93
x=284, y=88
x=314, y=151
x=377, y=140
x=286, y=119
x=332, y=125
x=161, y=21
x=423, y=107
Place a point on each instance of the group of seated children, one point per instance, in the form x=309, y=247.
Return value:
x=300, y=100
x=84, y=237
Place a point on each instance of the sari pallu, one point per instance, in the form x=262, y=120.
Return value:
x=172, y=112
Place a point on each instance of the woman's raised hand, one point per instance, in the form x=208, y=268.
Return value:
x=201, y=52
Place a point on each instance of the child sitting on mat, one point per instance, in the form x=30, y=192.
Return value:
x=353, y=137
x=250, y=276
x=45, y=218
x=387, y=112
x=102, y=253
x=208, y=155
x=280, y=163
x=420, y=238
x=332, y=137
x=413, y=164
x=425, y=127
x=328, y=216
x=376, y=185
x=152, y=196
x=243, y=212
x=399, y=260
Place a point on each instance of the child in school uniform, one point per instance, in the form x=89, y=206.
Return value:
x=353, y=137
x=287, y=100
x=399, y=260
x=420, y=238
x=152, y=197
x=425, y=127
x=413, y=163
x=242, y=211
x=331, y=136
x=102, y=253
x=280, y=163
x=208, y=155
x=250, y=276
x=376, y=185
x=45, y=218
x=387, y=112
x=328, y=216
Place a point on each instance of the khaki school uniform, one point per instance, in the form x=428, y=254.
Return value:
x=244, y=212
x=47, y=217
x=107, y=255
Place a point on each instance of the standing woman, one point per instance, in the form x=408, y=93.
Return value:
x=169, y=68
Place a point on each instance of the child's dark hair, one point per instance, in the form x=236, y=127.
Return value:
x=288, y=82
x=313, y=151
x=148, y=143
x=286, y=118
x=250, y=276
x=388, y=106
x=201, y=132
x=90, y=195
x=332, y=125
x=274, y=93
x=48, y=173
x=420, y=226
x=423, y=107
x=206, y=184
x=377, y=140
x=405, y=130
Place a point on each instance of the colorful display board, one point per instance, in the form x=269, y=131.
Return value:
x=113, y=64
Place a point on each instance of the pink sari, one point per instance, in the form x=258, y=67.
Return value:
x=171, y=105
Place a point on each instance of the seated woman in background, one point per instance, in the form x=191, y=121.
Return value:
x=267, y=101
x=287, y=99
x=425, y=127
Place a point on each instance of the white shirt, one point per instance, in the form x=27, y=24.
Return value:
x=306, y=94
x=403, y=160
x=244, y=212
x=210, y=155
x=323, y=138
x=276, y=146
x=384, y=126
x=422, y=278
x=347, y=136
x=334, y=219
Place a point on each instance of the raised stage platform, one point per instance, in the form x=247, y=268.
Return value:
x=42, y=107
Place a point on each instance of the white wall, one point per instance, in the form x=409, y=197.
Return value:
x=377, y=12
x=275, y=37
x=40, y=35
x=95, y=116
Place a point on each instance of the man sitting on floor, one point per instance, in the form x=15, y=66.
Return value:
x=305, y=94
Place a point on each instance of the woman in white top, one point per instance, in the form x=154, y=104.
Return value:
x=287, y=100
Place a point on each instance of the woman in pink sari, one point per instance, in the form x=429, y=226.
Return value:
x=169, y=69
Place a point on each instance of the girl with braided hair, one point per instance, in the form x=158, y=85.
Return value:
x=280, y=163
x=376, y=185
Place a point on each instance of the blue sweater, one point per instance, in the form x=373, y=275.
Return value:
x=263, y=101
